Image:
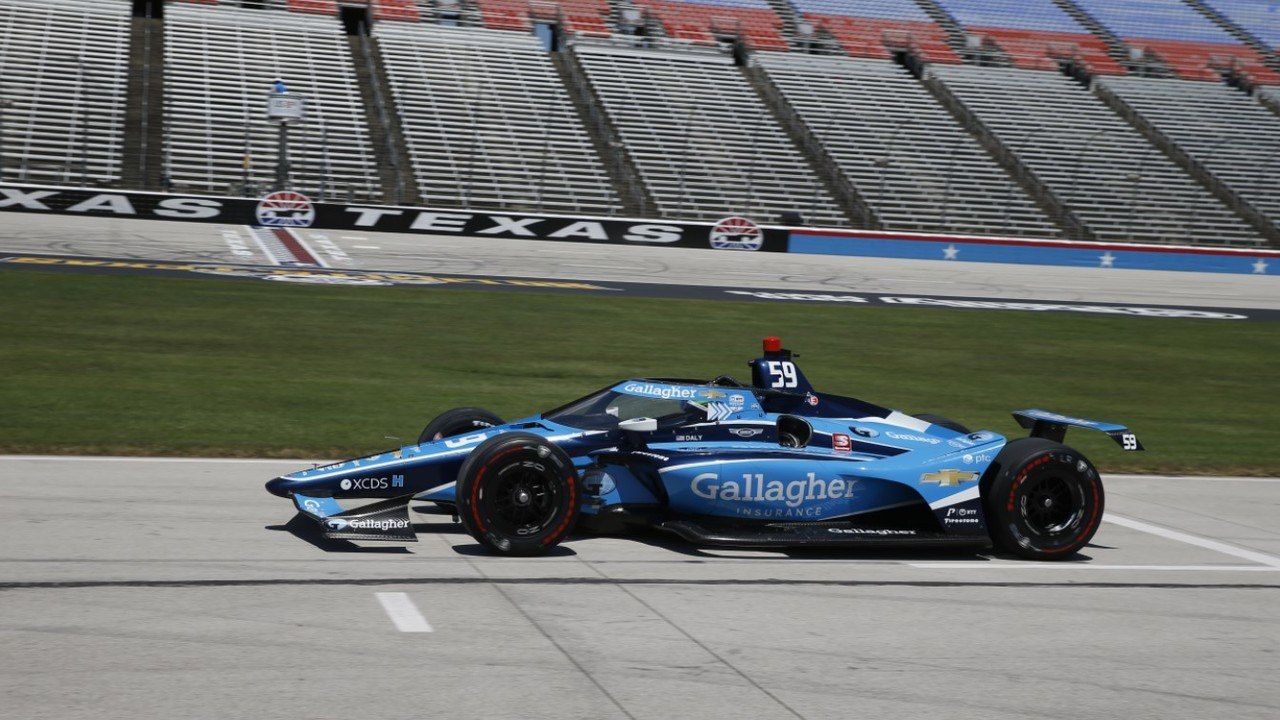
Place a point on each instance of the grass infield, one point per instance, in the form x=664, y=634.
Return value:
x=135, y=365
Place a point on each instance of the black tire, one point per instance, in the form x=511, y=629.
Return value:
x=456, y=422
x=518, y=494
x=1045, y=500
x=947, y=423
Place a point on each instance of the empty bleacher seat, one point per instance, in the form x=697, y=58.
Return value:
x=876, y=28
x=220, y=64
x=1224, y=130
x=488, y=122
x=1034, y=34
x=1261, y=18
x=63, y=73
x=1119, y=184
x=1191, y=45
x=704, y=143
x=905, y=154
x=704, y=21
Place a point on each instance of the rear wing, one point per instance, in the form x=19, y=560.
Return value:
x=1052, y=426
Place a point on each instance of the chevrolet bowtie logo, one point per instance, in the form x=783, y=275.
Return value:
x=947, y=478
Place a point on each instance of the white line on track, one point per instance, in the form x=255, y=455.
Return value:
x=1193, y=478
x=997, y=565
x=1243, y=553
x=403, y=613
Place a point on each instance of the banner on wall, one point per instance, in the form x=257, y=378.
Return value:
x=292, y=209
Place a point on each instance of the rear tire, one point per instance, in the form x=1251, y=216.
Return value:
x=944, y=422
x=458, y=421
x=1045, y=501
x=518, y=494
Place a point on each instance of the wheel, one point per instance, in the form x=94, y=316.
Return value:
x=518, y=494
x=458, y=421
x=944, y=422
x=1045, y=500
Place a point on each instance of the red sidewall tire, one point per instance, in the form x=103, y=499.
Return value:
x=505, y=467
x=1045, y=502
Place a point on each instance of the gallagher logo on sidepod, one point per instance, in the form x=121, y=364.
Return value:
x=736, y=233
x=286, y=209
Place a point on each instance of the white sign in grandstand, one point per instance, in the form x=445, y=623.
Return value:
x=286, y=108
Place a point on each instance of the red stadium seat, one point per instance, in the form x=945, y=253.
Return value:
x=1041, y=50
x=318, y=7
x=760, y=29
x=875, y=38
x=1208, y=61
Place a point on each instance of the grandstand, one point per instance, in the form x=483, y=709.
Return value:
x=1184, y=41
x=1032, y=34
x=703, y=141
x=1007, y=117
x=63, y=73
x=1116, y=182
x=1218, y=129
x=220, y=64
x=916, y=167
x=878, y=28
x=488, y=123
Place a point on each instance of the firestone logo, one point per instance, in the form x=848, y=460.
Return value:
x=286, y=209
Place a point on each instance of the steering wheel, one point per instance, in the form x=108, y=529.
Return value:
x=727, y=381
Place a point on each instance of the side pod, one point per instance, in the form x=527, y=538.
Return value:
x=1052, y=426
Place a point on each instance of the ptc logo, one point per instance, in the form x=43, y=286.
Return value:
x=736, y=233
x=286, y=209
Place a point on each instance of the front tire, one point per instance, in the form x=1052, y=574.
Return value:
x=458, y=421
x=1045, y=501
x=518, y=494
x=947, y=423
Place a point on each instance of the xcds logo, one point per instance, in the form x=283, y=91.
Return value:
x=736, y=233
x=286, y=209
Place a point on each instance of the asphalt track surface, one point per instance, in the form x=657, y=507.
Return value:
x=152, y=588
x=734, y=275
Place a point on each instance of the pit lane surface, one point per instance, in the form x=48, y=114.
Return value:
x=175, y=241
x=151, y=588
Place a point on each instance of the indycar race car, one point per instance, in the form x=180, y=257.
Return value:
x=770, y=464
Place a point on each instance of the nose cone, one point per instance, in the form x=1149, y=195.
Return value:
x=279, y=486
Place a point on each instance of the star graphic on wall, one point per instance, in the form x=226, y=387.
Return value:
x=1107, y=260
x=949, y=252
x=1260, y=267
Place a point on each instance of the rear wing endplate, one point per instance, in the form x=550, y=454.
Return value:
x=1052, y=426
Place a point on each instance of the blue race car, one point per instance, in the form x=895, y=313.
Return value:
x=770, y=464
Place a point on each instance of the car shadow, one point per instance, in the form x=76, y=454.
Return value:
x=309, y=531
x=478, y=550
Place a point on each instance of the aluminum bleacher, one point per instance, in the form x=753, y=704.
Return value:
x=905, y=153
x=220, y=66
x=488, y=122
x=1033, y=34
x=1191, y=45
x=1119, y=184
x=705, y=21
x=63, y=73
x=1225, y=131
x=701, y=138
x=1261, y=18
x=876, y=28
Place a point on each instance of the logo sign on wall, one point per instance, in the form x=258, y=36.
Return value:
x=736, y=233
x=286, y=209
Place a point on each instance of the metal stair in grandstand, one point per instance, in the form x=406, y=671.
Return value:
x=1112, y=182
x=383, y=117
x=958, y=38
x=809, y=147
x=1270, y=54
x=1221, y=137
x=1115, y=46
x=617, y=161
x=909, y=162
x=143, y=153
x=701, y=138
